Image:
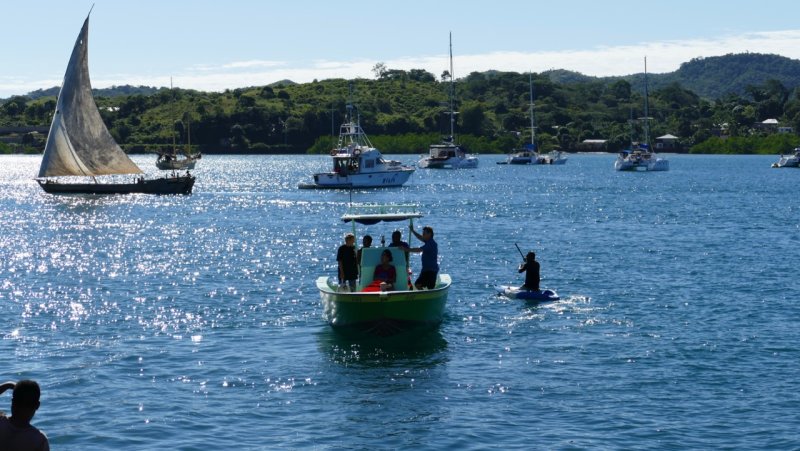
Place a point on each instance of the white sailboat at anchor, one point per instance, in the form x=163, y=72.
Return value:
x=448, y=154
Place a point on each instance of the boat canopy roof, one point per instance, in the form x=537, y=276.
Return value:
x=369, y=214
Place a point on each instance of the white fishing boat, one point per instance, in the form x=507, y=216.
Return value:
x=370, y=311
x=641, y=157
x=80, y=147
x=448, y=154
x=789, y=161
x=358, y=164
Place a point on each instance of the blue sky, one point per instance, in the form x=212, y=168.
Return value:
x=214, y=45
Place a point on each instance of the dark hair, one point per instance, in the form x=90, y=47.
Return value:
x=387, y=253
x=429, y=229
x=367, y=239
x=26, y=393
x=396, y=235
x=531, y=256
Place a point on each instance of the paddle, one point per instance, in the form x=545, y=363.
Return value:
x=520, y=252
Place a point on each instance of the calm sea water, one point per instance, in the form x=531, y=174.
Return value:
x=193, y=322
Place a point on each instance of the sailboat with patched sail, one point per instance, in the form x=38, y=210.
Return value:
x=80, y=148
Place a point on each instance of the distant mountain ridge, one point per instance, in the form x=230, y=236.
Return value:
x=114, y=91
x=711, y=77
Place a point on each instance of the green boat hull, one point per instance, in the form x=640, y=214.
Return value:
x=384, y=313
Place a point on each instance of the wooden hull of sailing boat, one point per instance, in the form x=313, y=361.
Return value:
x=170, y=185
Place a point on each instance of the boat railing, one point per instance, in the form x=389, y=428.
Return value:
x=383, y=208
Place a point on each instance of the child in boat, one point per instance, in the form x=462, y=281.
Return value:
x=531, y=268
x=348, y=267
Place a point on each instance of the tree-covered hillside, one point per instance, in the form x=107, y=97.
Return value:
x=404, y=111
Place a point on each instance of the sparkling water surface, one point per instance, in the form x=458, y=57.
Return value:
x=193, y=322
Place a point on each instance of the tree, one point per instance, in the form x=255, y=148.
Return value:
x=379, y=70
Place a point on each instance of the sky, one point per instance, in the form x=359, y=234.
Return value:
x=217, y=45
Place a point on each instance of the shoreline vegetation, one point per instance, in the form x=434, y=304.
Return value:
x=404, y=112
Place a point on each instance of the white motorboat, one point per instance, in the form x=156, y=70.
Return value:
x=553, y=157
x=358, y=164
x=448, y=154
x=789, y=161
x=640, y=157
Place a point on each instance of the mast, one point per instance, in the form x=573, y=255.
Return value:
x=646, y=109
x=533, y=125
x=188, y=136
x=452, y=93
x=172, y=94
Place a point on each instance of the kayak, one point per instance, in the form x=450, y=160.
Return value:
x=528, y=295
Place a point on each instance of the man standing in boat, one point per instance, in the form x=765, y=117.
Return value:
x=531, y=268
x=430, y=257
x=397, y=241
x=346, y=258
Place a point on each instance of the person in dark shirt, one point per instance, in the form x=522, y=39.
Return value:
x=430, y=257
x=531, y=268
x=348, y=267
x=397, y=241
x=365, y=242
x=16, y=431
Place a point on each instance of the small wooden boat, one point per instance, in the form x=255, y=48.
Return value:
x=528, y=295
x=174, y=161
x=382, y=313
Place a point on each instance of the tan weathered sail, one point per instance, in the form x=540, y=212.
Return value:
x=79, y=142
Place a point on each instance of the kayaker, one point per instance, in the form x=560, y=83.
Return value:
x=531, y=268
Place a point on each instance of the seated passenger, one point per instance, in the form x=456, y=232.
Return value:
x=385, y=272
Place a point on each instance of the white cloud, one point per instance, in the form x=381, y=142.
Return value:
x=662, y=57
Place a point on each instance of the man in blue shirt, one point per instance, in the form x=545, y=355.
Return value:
x=430, y=257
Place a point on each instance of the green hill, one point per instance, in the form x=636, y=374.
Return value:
x=403, y=111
